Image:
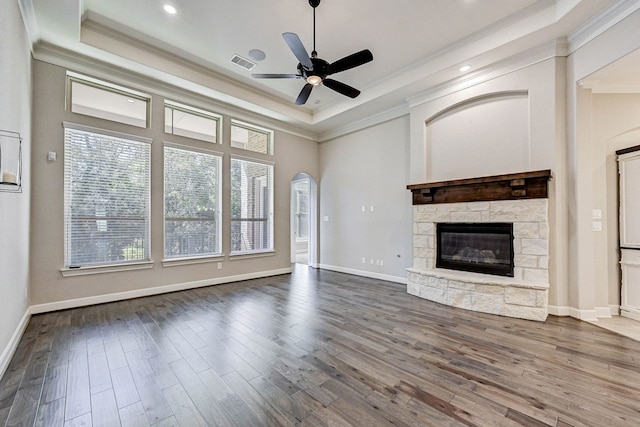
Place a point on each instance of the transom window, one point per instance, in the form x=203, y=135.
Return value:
x=96, y=98
x=251, y=138
x=107, y=197
x=191, y=122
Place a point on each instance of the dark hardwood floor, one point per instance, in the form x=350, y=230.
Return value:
x=314, y=348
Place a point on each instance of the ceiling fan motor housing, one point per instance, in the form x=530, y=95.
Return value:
x=320, y=69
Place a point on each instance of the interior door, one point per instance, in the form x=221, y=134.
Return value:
x=629, y=170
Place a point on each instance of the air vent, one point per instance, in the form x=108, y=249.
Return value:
x=243, y=62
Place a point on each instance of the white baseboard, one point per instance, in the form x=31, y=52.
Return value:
x=615, y=309
x=11, y=347
x=363, y=273
x=631, y=314
x=556, y=310
x=588, y=315
x=118, y=296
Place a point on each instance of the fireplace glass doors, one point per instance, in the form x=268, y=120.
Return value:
x=477, y=247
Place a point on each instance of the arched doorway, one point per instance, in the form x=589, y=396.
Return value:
x=304, y=222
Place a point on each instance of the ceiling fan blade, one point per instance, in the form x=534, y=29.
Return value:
x=351, y=61
x=276, y=76
x=341, y=88
x=296, y=46
x=304, y=94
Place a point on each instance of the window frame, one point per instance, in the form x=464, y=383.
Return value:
x=70, y=269
x=248, y=126
x=219, y=207
x=270, y=216
x=196, y=112
x=298, y=212
x=109, y=87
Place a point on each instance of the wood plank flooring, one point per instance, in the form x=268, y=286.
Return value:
x=314, y=348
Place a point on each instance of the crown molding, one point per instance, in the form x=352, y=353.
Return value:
x=30, y=22
x=370, y=121
x=491, y=72
x=601, y=23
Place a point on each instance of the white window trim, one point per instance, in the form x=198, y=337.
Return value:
x=111, y=268
x=107, y=132
x=173, y=262
x=254, y=160
x=236, y=256
x=192, y=148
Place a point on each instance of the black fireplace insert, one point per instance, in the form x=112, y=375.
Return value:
x=477, y=247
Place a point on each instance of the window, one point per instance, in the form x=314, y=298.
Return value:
x=252, y=138
x=191, y=122
x=251, y=206
x=301, y=200
x=107, y=193
x=104, y=100
x=191, y=202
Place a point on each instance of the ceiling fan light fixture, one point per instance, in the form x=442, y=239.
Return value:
x=314, y=80
x=315, y=70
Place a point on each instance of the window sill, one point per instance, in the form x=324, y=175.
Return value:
x=247, y=255
x=174, y=262
x=112, y=268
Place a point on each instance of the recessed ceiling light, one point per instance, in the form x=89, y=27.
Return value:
x=170, y=9
x=131, y=100
x=465, y=68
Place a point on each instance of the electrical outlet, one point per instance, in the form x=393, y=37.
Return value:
x=381, y=263
x=364, y=260
x=597, y=225
x=219, y=266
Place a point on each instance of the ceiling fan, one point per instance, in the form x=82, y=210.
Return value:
x=315, y=70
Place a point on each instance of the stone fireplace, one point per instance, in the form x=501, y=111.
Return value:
x=517, y=202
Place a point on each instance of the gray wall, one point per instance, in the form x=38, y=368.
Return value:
x=15, y=115
x=51, y=290
x=367, y=169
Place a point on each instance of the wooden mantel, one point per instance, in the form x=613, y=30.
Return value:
x=525, y=185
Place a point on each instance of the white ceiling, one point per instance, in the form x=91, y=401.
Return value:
x=416, y=44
